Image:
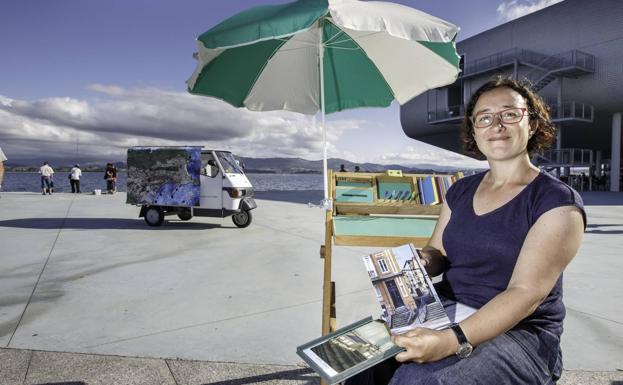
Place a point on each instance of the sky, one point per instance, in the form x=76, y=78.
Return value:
x=85, y=80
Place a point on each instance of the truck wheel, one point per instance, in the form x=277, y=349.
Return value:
x=242, y=218
x=154, y=216
x=185, y=215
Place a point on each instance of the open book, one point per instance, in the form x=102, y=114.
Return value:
x=407, y=299
x=406, y=293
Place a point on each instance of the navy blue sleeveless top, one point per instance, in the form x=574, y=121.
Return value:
x=482, y=249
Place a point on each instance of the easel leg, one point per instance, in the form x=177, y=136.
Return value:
x=328, y=287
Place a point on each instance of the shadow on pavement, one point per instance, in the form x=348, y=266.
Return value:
x=295, y=196
x=292, y=375
x=103, y=223
x=64, y=383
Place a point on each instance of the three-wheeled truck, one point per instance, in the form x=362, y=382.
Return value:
x=188, y=181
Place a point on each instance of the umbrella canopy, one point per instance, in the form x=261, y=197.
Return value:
x=324, y=55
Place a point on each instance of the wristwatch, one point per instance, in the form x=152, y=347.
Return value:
x=465, y=348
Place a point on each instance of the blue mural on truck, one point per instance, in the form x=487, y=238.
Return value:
x=164, y=176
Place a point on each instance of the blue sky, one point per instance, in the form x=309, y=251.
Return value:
x=86, y=79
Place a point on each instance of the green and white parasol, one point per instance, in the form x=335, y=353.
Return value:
x=268, y=58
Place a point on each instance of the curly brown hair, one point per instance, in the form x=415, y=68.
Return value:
x=538, y=113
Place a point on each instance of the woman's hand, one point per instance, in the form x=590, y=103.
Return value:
x=426, y=345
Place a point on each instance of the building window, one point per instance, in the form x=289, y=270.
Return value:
x=383, y=265
x=370, y=267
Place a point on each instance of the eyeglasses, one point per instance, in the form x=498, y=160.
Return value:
x=510, y=115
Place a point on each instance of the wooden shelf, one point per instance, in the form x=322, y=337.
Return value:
x=386, y=207
x=385, y=241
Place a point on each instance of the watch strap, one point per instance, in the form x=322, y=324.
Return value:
x=459, y=334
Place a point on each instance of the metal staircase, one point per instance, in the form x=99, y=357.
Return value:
x=402, y=317
x=434, y=311
x=567, y=64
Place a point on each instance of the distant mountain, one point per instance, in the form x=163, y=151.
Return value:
x=299, y=165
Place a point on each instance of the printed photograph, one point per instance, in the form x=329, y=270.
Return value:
x=404, y=290
x=353, y=347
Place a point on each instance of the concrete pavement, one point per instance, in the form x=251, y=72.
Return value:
x=85, y=284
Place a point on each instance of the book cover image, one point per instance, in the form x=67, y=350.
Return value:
x=404, y=290
x=349, y=350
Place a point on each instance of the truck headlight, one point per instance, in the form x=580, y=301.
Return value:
x=234, y=192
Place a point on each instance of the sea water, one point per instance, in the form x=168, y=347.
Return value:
x=31, y=181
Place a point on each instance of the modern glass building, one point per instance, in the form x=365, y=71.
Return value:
x=572, y=53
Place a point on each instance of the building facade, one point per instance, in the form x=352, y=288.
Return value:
x=391, y=286
x=572, y=54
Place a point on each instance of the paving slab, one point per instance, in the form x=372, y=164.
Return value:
x=219, y=373
x=593, y=295
x=85, y=369
x=56, y=368
x=13, y=365
x=24, y=251
x=116, y=286
x=591, y=378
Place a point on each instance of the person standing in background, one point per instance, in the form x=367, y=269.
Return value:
x=74, y=178
x=2, y=160
x=111, y=178
x=47, y=173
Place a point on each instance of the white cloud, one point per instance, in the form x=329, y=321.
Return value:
x=55, y=127
x=513, y=9
x=65, y=130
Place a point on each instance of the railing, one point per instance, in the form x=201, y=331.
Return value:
x=571, y=110
x=450, y=113
x=567, y=60
x=543, y=63
x=503, y=58
x=491, y=61
x=572, y=157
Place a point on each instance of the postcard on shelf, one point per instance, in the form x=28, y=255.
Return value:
x=349, y=350
x=404, y=290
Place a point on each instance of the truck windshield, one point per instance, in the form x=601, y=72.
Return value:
x=230, y=165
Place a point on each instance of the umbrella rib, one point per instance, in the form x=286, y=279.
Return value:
x=334, y=36
x=346, y=48
x=358, y=37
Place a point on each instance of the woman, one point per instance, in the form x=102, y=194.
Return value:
x=503, y=239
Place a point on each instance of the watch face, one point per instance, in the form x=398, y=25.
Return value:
x=464, y=350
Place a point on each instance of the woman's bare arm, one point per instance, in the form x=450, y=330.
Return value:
x=550, y=245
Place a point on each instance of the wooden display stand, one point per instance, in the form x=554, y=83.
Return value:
x=363, y=215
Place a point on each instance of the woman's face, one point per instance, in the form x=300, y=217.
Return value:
x=501, y=140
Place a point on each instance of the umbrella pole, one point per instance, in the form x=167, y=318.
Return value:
x=326, y=202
